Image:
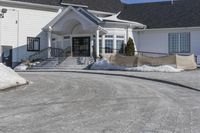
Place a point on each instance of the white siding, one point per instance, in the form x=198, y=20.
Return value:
x=9, y=30
x=157, y=40
x=19, y=24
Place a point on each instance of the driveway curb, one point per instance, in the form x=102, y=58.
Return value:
x=121, y=75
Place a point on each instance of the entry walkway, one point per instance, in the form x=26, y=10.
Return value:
x=74, y=63
x=188, y=79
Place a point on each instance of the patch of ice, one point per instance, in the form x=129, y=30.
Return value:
x=9, y=78
x=105, y=65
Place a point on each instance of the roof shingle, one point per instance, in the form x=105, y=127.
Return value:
x=113, y=6
x=183, y=13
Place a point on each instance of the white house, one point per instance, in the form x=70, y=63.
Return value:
x=172, y=27
x=91, y=26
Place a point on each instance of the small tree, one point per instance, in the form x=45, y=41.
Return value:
x=130, y=48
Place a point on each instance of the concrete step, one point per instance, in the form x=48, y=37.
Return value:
x=78, y=63
x=75, y=61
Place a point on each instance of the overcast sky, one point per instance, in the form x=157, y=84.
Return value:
x=141, y=1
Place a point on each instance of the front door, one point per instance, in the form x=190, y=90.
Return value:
x=81, y=46
x=7, y=55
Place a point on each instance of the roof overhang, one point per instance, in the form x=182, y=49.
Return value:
x=27, y=5
x=115, y=21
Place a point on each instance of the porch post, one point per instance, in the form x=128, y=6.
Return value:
x=97, y=43
x=91, y=45
x=49, y=38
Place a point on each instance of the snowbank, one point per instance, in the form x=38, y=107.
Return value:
x=21, y=67
x=105, y=65
x=9, y=78
x=25, y=66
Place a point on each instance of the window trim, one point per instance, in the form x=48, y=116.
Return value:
x=109, y=36
x=120, y=37
x=34, y=39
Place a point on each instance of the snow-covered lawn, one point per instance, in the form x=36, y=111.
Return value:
x=105, y=65
x=9, y=78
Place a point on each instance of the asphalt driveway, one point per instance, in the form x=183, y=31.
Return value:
x=82, y=103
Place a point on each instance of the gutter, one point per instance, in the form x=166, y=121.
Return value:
x=101, y=12
x=35, y=6
x=75, y=5
x=128, y=25
x=175, y=28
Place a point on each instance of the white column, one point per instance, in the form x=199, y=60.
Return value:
x=49, y=39
x=97, y=43
x=103, y=44
x=91, y=45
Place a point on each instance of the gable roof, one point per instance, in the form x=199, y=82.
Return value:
x=45, y=2
x=113, y=6
x=183, y=13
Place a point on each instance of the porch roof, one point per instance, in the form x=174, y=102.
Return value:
x=79, y=21
x=72, y=20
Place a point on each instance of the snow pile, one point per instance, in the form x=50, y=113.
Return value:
x=25, y=66
x=9, y=78
x=21, y=67
x=105, y=65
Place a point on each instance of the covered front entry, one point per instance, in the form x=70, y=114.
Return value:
x=81, y=46
x=77, y=26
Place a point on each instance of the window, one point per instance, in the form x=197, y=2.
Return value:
x=109, y=36
x=120, y=43
x=109, y=41
x=33, y=43
x=108, y=46
x=122, y=37
x=179, y=42
x=100, y=46
x=120, y=46
x=66, y=37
